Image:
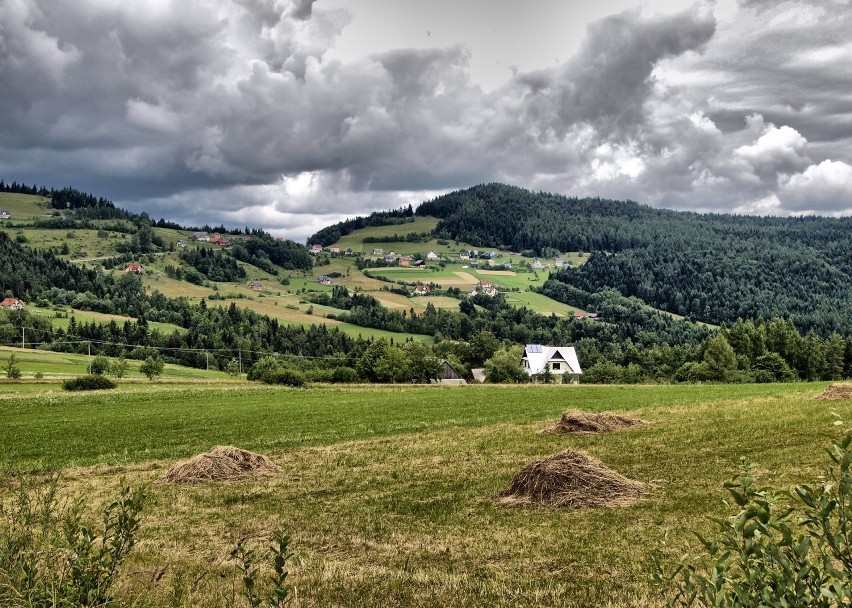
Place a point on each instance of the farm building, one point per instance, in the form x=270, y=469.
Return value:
x=135, y=267
x=449, y=375
x=12, y=304
x=201, y=236
x=348, y=251
x=405, y=261
x=562, y=359
x=316, y=248
x=4, y=215
x=256, y=286
x=431, y=256
x=422, y=290
x=324, y=280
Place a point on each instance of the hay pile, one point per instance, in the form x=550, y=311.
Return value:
x=583, y=423
x=222, y=463
x=836, y=392
x=570, y=480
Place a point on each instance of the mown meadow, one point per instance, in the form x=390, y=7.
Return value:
x=387, y=492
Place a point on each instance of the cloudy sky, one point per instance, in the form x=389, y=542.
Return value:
x=292, y=114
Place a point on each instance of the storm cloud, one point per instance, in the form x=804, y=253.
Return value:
x=235, y=111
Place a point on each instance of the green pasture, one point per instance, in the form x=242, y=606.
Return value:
x=387, y=492
x=24, y=206
x=67, y=365
x=61, y=318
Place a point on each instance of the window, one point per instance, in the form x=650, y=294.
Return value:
x=556, y=365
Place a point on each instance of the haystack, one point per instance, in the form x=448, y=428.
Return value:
x=222, y=463
x=836, y=392
x=583, y=423
x=570, y=480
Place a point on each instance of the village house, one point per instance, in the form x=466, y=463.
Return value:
x=405, y=261
x=507, y=265
x=334, y=249
x=561, y=360
x=557, y=262
x=464, y=255
x=256, y=286
x=12, y=304
x=419, y=263
x=181, y=243
x=422, y=290
x=537, y=264
x=316, y=249
x=348, y=251
x=324, y=280
x=593, y=316
x=218, y=239
x=201, y=236
x=390, y=258
x=432, y=256
x=449, y=375
x=5, y=215
x=135, y=267
x=378, y=251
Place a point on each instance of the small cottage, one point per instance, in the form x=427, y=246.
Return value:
x=135, y=267
x=316, y=249
x=256, y=286
x=12, y=304
x=561, y=360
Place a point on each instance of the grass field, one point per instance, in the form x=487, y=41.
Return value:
x=387, y=491
x=89, y=316
x=68, y=365
x=24, y=206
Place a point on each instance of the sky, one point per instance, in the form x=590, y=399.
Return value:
x=290, y=115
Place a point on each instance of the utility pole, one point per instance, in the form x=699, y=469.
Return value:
x=241, y=361
x=207, y=356
x=23, y=333
x=90, y=357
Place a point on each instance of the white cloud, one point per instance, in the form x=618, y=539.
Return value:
x=826, y=187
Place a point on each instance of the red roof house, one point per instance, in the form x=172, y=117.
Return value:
x=135, y=267
x=12, y=304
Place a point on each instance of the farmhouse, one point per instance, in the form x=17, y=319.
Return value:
x=218, y=239
x=561, y=359
x=181, y=243
x=348, y=251
x=135, y=267
x=419, y=263
x=405, y=261
x=390, y=257
x=201, y=236
x=464, y=255
x=256, y=286
x=537, y=264
x=378, y=251
x=316, y=248
x=4, y=215
x=422, y=290
x=12, y=304
x=324, y=280
x=431, y=256
x=334, y=249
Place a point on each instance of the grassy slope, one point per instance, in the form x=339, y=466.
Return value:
x=24, y=206
x=66, y=365
x=387, y=491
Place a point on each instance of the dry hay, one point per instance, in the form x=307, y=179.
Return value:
x=836, y=392
x=583, y=423
x=570, y=480
x=222, y=463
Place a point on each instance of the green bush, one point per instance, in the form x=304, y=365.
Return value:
x=779, y=550
x=285, y=376
x=88, y=383
x=345, y=375
x=52, y=556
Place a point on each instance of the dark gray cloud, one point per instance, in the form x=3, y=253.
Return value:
x=214, y=110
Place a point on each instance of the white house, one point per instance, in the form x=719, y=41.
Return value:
x=4, y=215
x=316, y=249
x=562, y=359
x=431, y=256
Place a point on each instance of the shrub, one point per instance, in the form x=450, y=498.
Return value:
x=99, y=365
x=779, y=550
x=152, y=367
x=285, y=376
x=263, y=368
x=92, y=382
x=344, y=375
x=50, y=555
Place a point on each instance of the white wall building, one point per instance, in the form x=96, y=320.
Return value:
x=562, y=359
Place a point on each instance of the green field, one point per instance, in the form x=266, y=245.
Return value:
x=24, y=206
x=387, y=491
x=68, y=365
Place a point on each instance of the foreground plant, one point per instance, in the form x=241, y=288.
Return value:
x=51, y=556
x=779, y=550
x=271, y=590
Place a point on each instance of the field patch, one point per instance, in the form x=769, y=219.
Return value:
x=387, y=491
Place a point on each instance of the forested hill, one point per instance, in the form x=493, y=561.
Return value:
x=710, y=267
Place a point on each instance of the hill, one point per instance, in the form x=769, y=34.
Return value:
x=709, y=267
